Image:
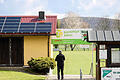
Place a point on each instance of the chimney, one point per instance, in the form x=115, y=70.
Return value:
x=41, y=15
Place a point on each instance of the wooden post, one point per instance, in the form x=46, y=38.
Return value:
x=98, y=70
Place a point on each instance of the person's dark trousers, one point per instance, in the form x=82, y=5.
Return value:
x=60, y=68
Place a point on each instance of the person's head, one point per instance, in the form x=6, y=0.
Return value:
x=60, y=52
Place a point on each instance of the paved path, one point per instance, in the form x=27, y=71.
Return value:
x=71, y=77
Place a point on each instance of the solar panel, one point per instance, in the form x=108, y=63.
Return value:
x=1, y=23
x=1, y=20
x=43, y=27
x=27, y=24
x=9, y=20
x=9, y=31
x=27, y=27
x=13, y=25
x=10, y=28
x=43, y=23
x=13, y=17
x=2, y=17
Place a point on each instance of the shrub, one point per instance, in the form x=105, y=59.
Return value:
x=42, y=64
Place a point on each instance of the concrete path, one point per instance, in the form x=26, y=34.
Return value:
x=71, y=77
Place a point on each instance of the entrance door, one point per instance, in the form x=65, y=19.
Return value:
x=4, y=51
x=11, y=51
x=17, y=51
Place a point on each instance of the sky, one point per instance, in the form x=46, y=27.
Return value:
x=85, y=8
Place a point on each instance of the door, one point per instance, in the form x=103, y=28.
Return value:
x=17, y=51
x=11, y=51
x=4, y=50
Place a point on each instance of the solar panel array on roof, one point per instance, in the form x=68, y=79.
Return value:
x=14, y=25
x=95, y=36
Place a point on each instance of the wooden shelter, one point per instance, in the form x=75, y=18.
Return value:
x=109, y=43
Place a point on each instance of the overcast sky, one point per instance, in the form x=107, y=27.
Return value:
x=94, y=8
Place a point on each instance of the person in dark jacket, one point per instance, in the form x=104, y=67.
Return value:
x=60, y=58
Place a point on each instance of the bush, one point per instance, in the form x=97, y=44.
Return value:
x=42, y=65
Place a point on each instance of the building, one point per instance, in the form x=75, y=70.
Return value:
x=107, y=54
x=23, y=37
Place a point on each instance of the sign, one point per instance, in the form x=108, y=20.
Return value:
x=70, y=36
x=110, y=73
x=84, y=46
x=102, y=54
x=68, y=41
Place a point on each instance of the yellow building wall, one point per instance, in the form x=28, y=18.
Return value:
x=35, y=46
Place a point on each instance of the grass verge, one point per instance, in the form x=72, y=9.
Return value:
x=13, y=75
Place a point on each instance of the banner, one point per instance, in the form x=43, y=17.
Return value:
x=70, y=36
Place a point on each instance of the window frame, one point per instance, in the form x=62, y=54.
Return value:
x=109, y=56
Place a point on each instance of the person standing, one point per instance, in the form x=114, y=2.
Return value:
x=60, y=58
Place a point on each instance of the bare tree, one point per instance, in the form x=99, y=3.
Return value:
x=73, y=21
x=103, y=24
x=116, y=22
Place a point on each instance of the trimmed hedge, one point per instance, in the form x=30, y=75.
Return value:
x=42, y=64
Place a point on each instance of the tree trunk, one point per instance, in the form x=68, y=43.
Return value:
x=72, y=46
x=65, y=47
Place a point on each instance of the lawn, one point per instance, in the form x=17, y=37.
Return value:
x=12, y=75
x=76, y=60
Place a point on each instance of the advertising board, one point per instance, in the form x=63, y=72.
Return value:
x=70, y=36
x=110, y=73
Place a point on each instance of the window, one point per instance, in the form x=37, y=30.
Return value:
x=102, y=47
x=115, y=55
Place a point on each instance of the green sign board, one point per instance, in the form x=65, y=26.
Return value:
x=68, y=41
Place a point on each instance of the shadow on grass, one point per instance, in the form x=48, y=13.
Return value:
x=23, y=70
x=39, y=79
x=63, y=79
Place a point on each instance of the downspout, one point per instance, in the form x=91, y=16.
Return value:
x=48, y=45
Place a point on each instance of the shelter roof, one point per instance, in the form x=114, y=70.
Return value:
x=103, y=36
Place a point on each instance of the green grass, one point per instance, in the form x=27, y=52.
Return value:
x=76, y=60
x=12, y=75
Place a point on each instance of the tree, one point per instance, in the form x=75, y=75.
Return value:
x=72, y=46
x=58, y=23
x=103, y=24
x=73, y=21
x=116, y=22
